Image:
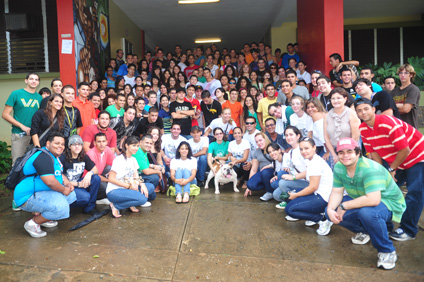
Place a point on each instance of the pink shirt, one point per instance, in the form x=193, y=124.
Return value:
x=101, y=159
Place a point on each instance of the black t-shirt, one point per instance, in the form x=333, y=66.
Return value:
x=122, y=131
x=211, y=112
x=72, y=121
x=75, y=169
x=185, y=122
x=144, y=125
x=350, y=91
x=383, y=101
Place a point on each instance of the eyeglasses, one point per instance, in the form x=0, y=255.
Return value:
x=403, y=73
x=269, y=125
x=250, y=123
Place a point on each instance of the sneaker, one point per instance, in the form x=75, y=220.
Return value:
x=289, y=218
x=324, y=227
x=281, y=205
x=200, y=183
x=310, y=223
x=49, y=224
x=360, y=239
x=146, y=205
x=104, y=201
x=15, y=207
x=400, y=235
x=266, y=197
x=34, y=229
x=387, y=260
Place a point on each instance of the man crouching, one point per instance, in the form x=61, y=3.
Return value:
x=47, y=193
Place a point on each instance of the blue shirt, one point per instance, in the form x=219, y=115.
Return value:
x=287, y=57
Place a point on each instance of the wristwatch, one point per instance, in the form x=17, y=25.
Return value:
x=391, y=169
x=342, y=207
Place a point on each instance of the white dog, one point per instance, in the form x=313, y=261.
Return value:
x=225, y=174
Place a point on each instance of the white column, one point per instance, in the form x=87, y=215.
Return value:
x=9, y=58
x=45, y=39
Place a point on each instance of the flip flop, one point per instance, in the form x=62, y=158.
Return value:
x=178, y=199
x=186, y=198
x=115, y=212
x=134, y=209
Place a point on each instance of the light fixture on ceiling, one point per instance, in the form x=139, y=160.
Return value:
x=197, y=1
x=208, y=40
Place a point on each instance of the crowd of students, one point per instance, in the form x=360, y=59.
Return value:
x=165, y=120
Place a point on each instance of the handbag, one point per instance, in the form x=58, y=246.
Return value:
x=163, y=183
x=31, y=146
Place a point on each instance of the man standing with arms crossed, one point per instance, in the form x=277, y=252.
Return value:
x=86, y=108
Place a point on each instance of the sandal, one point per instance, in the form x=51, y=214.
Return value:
x=134, y=209
x=115, y=211
x=178, y=199
x=186, y=198
x=244, y=186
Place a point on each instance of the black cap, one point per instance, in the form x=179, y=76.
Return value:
x=198, y=87
x=194, y=128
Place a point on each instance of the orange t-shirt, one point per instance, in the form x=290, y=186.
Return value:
x=249, y=58
x=236, y=110
x=87, y=111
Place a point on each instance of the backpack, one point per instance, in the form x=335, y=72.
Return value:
x=194, y=190
x=16, y=175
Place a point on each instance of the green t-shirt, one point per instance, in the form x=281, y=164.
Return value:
x=218, y=150
x=114, y=112
x=369, y=177
x=24, y=105
x=142, y=160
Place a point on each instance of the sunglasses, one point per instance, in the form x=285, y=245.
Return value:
x=232, y=83
x=250, y=123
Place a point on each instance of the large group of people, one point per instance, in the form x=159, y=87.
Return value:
x=328, y=149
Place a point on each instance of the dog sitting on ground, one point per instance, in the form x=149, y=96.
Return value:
x=224, y=174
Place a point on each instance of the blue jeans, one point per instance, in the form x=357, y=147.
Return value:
x=202, y=163
x=125, y=198
x=287, y=185
x=414, y=178
x=261, y=180
x=309, y=207
x=51, y=204
x=151, y=178
x=185, y=174
x=86, y=197
x=188, y=137
x=374, y=221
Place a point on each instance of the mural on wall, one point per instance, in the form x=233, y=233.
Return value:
x=92, y=48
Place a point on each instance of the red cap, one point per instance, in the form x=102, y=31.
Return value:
x=346, y=143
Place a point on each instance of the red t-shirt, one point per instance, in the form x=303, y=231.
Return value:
x=236, y=110
x=189, y=70
x=196, y=107
x=92, y=130
x=87, y=112
x=390, y=135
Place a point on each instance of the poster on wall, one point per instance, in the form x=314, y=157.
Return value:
x=92, y=47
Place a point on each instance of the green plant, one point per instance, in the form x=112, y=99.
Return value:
x=5, y=157
x=418, y=64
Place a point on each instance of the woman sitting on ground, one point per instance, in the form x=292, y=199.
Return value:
x=183, y=172
x=310, y=202
x=155, y=156
x=124, y=189
x=238, y=152
x=218, y=149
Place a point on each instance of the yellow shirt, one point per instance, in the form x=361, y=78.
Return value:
x=263, y=107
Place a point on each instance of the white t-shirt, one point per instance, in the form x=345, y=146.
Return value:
x=226, y=127
x=189, y=164
x=305, y=76
x=130, y=81
x=295, y=161
x=124, y=167
x=212, y=86
x=303, y=123
x=182, y=66
x=237, y=150
x=318, y=132
x=318, y=167
x=197, y=147
x=170, y=145
x=251, y=139
x=280, y=123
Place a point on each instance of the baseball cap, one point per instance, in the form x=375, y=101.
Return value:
x=194, y=128
x=197, y=87
x=346, y=143
x=75, y=139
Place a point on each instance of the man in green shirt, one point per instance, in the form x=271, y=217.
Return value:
x=24, y=103
x=117, y=110
x=149, y=172
x=373, y=201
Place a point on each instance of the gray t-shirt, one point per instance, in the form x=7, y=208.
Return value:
x=408, y=95
x=260, y=157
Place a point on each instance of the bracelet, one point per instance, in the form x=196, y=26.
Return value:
x=342, y=207
x=129, y=185
x=294, y=176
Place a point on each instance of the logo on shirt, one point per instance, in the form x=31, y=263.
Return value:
x=30, y=104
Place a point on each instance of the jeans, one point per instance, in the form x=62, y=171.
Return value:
x=86, y=197
x=287, y=185
x=188, y=137
x=101, y=194
x=309, y=207
x=151, y=178
x=241, y=173
x=125, y=198
x=202, y=163
x=374, y=221
x=414, y=178
x=51, y=204
x=261, y=180
x=183, y=173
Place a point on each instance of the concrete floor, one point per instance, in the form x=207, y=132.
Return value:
x=215, y=237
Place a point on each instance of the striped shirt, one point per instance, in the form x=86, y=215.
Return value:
x=390, y=135
x=369, y=177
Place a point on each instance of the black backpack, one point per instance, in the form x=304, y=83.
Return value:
x=16, y=175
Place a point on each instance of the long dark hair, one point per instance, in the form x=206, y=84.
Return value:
x=246, y=108
x=224, y=138
x=178, y=154
x=68, y=155
x=60, y=114
x=129, y=141
x=158, y=143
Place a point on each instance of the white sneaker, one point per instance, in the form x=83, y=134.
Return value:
x=104, y=201
x=146, y=205
x=387, y=260
x=360, y=239
x=324, y=227
x=289, y=218
x=310, y=223
x=49, y=224
x=266, y=197
x=34, y=229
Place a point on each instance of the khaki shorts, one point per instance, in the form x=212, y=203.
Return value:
x=19, y=145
